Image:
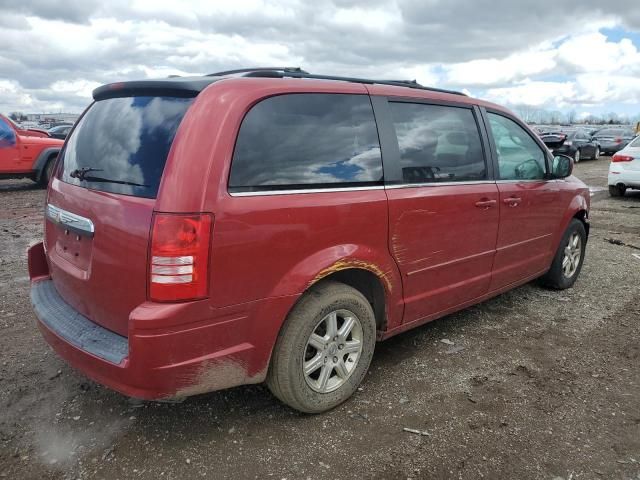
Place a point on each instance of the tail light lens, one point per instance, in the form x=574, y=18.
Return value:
x=179, y=260
x=618, y=140
x=622, y=158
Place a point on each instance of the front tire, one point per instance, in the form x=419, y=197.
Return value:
x=576, y=156
x=324, y=349
x=596, y=154
x=569, y=257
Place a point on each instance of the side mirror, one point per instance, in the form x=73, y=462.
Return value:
x=562, y=166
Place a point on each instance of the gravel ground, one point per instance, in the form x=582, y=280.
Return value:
x=536, y=384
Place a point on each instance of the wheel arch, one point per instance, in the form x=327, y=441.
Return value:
x=583, y=216
x=368, y=284
x=373, y=273
x=579, y=209
x=43, y=158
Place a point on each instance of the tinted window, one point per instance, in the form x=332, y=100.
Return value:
x=437, y=143
x=519, y=156
x=610, y=132
x=307, y=140
x=7, y=135
x=127, y=140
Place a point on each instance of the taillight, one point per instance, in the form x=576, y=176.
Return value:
x=618, y=140
x=621, y=158
x=179, y=257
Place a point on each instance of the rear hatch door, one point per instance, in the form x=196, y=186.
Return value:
x=100, y=204
x=553, y=140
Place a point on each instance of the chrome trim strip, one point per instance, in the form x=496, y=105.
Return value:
x=305, y=190
x=524, y=181
x=440, y=184
x=377, y=187
x=76, y=223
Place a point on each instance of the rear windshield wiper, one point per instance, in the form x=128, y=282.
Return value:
x=110, y=180
x=80, y=173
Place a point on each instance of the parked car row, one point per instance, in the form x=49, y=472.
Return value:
x=580, y=143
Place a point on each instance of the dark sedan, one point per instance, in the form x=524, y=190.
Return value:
x=576, y=143
x=61, y=131
x=612, y=140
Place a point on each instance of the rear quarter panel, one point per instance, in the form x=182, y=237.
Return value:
x=270, y=246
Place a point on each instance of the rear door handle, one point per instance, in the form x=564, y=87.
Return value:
x=512, y=201
x=485, y=204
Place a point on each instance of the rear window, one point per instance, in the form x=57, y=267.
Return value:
x=121, y=144
x=301, y=141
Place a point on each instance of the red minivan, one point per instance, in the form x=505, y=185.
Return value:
x=272, y=225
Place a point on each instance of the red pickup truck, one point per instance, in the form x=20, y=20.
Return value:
x=26, y=153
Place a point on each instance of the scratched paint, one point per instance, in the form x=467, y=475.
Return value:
x=345, y=264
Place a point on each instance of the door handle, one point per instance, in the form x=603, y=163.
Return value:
x=512, y=201
x=485, y=204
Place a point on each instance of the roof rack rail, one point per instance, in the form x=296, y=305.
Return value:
x=250, y=71
x=297, y=73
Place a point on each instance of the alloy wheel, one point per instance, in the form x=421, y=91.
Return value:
x=332, y=351
x=572, y=254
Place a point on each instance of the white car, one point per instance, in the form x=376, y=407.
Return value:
x=624, y=170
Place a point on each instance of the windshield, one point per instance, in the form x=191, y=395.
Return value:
x=15, y=125
x=124, y=143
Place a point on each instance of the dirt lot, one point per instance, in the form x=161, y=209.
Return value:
x=538, y=384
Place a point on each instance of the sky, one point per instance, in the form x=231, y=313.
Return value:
x=580, y=56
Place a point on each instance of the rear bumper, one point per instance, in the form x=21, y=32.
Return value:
x=171, y=350
x=564, y=150
x=608, y=148
x=629, y=178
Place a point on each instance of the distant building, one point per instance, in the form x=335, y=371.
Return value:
x=52, y=117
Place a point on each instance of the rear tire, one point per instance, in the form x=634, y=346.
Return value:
x=569, y=257
x=617, y=190
x=311, y=338
x=596, y=154
x=47, y=172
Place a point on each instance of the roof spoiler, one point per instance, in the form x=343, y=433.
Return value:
x=172, y=87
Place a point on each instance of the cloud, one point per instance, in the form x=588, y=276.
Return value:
x=72, y=11
x=52, y=53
